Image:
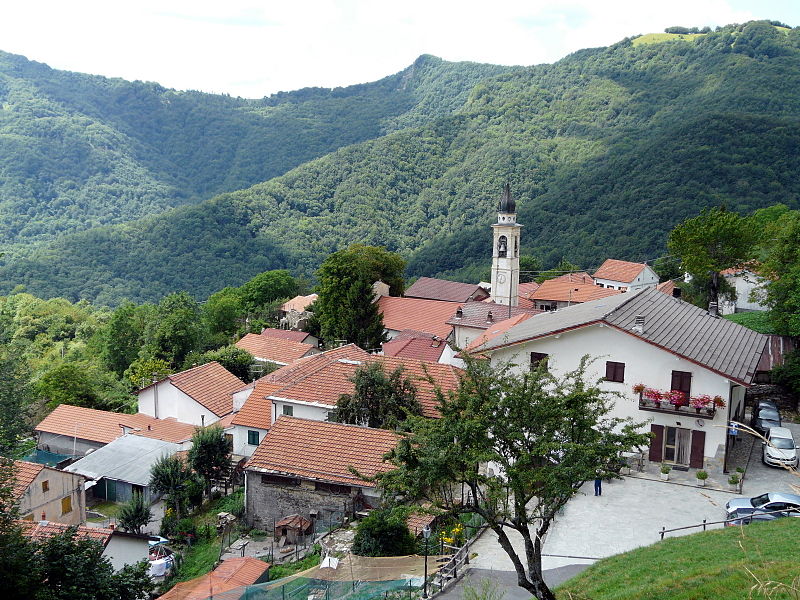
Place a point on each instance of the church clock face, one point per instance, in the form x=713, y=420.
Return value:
x=501, y=278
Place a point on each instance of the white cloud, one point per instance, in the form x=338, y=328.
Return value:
x=251, y=48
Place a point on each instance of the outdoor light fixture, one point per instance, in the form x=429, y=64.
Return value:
x=426, y=533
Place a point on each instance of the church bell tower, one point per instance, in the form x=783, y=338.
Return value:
x=505, y=255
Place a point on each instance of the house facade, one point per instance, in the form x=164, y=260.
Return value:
x=304, y=467
x=749, y=286
x=652, y=339
x=625, y=275
x=44, y=493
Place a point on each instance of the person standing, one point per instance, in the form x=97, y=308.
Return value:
x=598, y=484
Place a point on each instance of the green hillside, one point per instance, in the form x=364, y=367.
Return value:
x=756, y=561
x=606, y=151
x=79, y=151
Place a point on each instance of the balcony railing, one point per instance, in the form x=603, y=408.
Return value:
x=665, y=407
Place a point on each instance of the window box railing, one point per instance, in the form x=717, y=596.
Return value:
x=674, y=401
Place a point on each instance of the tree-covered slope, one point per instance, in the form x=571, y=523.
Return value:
x=606, y=151
x=78, y=151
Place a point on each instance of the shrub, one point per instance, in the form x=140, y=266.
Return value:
x=733, y=479
x=383, y=533
x=169, y=524
x=701, y=475
x=186, y=531
x=665, y=469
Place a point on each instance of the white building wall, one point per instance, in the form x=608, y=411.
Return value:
x=647, y=278
x=173, y=403
x=744, y=285
x=241, y=446
x=302, y=410
x=122, y=550
x=465, y=335
x=644, y=363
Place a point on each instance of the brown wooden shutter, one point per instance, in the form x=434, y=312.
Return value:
x=656, y=443
x=698, y=448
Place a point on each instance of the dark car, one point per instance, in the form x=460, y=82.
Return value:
x=744, y=518
x=762, y=404
x=766, y=418
x=772, y=501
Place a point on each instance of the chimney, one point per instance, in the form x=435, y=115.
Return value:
x=713, y=309
x=676, y=292
x=149, y=428
x=638, y=324
x=459, y=313
x=489, y=317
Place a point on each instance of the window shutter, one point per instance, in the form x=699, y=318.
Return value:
x=656, y=443
x=610, y=371
x=698, y=446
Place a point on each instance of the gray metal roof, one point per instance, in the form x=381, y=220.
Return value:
x=675, y=325
x=128, y=458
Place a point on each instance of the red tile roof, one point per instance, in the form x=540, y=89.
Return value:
x=429, y=316
x=525, y=292
x=24, y=475
x=285, y=334
x=40, y=530
x=416, y=345
x=496, y=330
x=668, y=287
x=419, y=518
x=298, y=303
x=619, y=270
x=210, y=384
x=230, y=574
x=476, y=314
x=449, y=291
x=573, y=287
x=323, y=451
x=103, y=426
x=274, y=349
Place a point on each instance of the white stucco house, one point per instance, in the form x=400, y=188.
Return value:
x=200, y=396
x=624, y=275
x=749, y=287
x=653, y=339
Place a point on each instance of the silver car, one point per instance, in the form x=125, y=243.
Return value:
x=764, y=503
x=781, y=450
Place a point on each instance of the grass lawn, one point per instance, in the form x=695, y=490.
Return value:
x=109, y=509
x=656, y=38
x=710, y=564
x=198, y=560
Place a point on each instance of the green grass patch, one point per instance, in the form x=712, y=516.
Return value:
x=657, y=38
x=198, y=560
x=757, y=321
x=284, y=570
x=710, y=564
x=109, y=509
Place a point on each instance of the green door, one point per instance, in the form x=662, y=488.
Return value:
x=111, y=490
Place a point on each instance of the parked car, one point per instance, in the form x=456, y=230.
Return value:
x=781, y=451
x=743, y=518
x=768, y=502
x=766, y=418
x=764, y=404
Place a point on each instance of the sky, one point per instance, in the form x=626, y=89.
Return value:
x=252, y=49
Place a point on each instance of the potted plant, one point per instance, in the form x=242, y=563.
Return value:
x=654, y=396
x=665, y=469
x=701, y=477
x=676, y=398
x=733, y=481
x=700, y=402
x=718, y=402
x=639, y=389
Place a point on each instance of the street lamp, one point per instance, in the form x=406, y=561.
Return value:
x=426, y=533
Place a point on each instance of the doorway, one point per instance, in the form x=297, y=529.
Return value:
x=677, y=445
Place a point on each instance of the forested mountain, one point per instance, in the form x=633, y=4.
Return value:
x=79, y=151
x=606, y=150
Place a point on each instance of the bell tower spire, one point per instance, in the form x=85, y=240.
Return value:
x=505, y=253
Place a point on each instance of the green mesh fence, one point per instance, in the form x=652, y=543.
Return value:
x=305, y=588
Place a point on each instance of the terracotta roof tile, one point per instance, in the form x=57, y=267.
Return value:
x=476, y=314
x=274, y=349
x=41, y=530
x=210, y=384
x=24, y=475
x=298, y=303
x=619, y=270
x=573, y=288
x=668, y=287
x=323, y=451
x=416, y=345
x=449, y=291
x=429, y=316
x=168, y=430
x=103, y=426
x=285, y=334
x=496, y=330
x=229, y=575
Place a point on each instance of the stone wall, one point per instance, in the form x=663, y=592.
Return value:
x=269, y=502
x=774, y=393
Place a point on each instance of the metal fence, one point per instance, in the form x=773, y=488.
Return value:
x=297, y=588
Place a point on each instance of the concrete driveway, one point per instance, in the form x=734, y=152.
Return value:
x=760, y=478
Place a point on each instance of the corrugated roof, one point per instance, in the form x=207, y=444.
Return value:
x=415, y=313
x=476, y=314
x=670, y=323
x=24, y=475
x=323, y=451
x=230, y=574
x=619, y=270
x=441, y=289
x=210, y=384
x=274, y=349
x=128, y=458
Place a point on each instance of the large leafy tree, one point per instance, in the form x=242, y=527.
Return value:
x=234, y=359
x=715, y=240
x=345, y=307
x=379, y=399
x=384, y=533
x=69, y=383
x=210, y=455
x=170, y=475
x=781, y=266
x=135, y=514
x=177, y=329
x=15, y=395
x=121, y=338
x=548, y=436
x=267, y=287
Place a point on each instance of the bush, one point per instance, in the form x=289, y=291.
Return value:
x=169, y=524
x=701, y=475
x=383, y=533
x=186, y=532
x=233, y=504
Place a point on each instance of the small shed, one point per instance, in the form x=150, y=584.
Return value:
x=292, y=528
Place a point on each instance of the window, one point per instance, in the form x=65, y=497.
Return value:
x=66, y=505
x=333, y=488
x=615, y=371
x=268, y=479
x=538, y=358
x=45, y=486
x=682, y=382
x=252, y=437
x=288, y=410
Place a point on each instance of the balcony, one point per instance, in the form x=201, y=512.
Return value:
x=673, y=401
x=666, y=407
